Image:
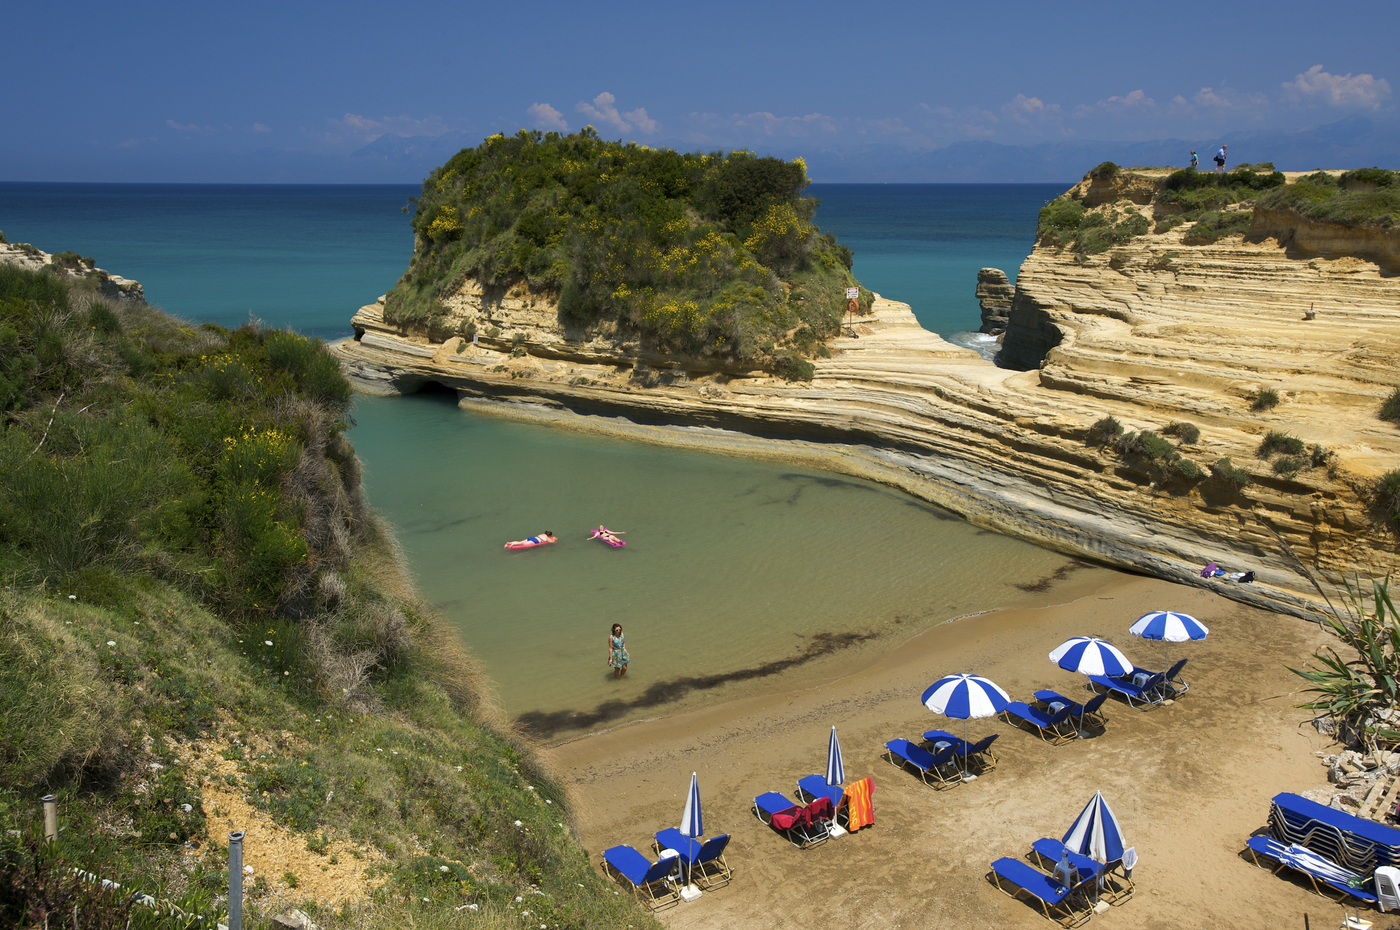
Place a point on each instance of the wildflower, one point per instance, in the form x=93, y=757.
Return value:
x=111, y=642
x=518, y=824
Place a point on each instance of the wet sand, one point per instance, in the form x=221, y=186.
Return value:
x=1189, y=781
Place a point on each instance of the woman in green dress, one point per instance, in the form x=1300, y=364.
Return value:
x=617, y=652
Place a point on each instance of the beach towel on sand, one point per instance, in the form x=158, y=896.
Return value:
x=860, y=810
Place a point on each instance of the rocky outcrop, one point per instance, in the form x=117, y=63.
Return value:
x=994, y=294
x=108, y=285
x=1151, y=333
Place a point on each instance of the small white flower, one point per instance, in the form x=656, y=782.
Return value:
x=425, y=900
x=247, y=870
x=72, y=597
x=529, y=787
x=459, y=768
x=518, y=899
x=443, y=868
x=519, y=824
x=286, y=673
x=111, y=642
x=267, y=642
x=379, y=750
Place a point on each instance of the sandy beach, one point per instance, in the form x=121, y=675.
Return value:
x=1189, y=781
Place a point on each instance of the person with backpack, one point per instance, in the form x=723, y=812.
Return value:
x=1220, y=160
x=1194, y=160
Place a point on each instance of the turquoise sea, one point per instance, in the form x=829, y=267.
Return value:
x=739, y=575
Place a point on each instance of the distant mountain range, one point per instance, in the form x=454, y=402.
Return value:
x=1350, y=143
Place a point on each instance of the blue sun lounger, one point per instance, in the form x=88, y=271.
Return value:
x=979, y=753
x=1359, y=844
x=1090, y=711
x=939, y=770
x=703, y=861
x=1323, y=875
x=1051, y=727
x=1148, y=694
x=1058, y=902
x=646, y=878
x=1175, y=682
x=802, y=826
x=1115, y=886
x=815, y=786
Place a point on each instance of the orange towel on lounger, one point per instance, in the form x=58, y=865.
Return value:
x=860, y=809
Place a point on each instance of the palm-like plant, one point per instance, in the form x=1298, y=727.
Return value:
x=1360, y=692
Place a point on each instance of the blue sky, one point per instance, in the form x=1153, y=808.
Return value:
x=292, y=91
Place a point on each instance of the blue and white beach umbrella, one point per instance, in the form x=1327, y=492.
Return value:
x=963, y=696
x=692, y=822
x=835, y=770
x=1096, y=833
x=1089, y=655
x=1169, y=627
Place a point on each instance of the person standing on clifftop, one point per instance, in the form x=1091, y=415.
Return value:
x=1220, y=160
x=1194, y=160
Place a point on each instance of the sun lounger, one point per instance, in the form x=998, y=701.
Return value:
x=1114, y=885
x=939, y=770
x=803, y=827
x=1091, y=711
x=857, y=805
x=1055, y=728
x=1175, y=682
x=1149, y=693
x=815, y=786
x=702, y=862
x=647, y=879
x=1359, y=844
x=1325, y=875
x=978, y=754
x=1058, y=902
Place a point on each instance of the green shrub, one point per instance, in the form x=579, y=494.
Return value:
x=1146, y=445
x=102, y=319
x=1103, y=432
x=1097, y=234
x=1385, y=499
x=1059, y=220
x=1214, y=226
x=1264, y=399
x=1289, y=465
x=1188, y=433
x=1228, y=474
x=1276, y=443
x=1105, y=169
x=1331, y=203
x=1188, y=471
x=1319, y=457
x=1390, y=407
x=1378, y=177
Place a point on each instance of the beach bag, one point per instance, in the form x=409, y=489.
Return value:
x=1220, y=161
x=1248, y=577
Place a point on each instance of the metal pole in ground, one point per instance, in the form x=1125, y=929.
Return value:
x=235, y=880
x=50, y=818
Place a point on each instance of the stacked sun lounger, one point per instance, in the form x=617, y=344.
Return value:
x=1350, y=841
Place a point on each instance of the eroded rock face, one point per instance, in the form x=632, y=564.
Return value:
x=1152, y=333
x=994, y=295
x=108, y=285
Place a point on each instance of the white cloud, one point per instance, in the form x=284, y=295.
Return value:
x=1135, y=100
x=1228, y=99
x=357, y=128
x=261, y=127
x=194, y=128
x=1337, y=90
x=770, y=125
x=546, y=117
x=604, y=110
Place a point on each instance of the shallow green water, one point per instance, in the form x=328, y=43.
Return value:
x=731, y=564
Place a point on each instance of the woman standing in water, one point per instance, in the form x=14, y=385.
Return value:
x=617, y=652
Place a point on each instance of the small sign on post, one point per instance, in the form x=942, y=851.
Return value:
x=852, y=304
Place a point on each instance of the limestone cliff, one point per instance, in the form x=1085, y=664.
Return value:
x=1154, y=332
x=69, y=265
x=994, y=296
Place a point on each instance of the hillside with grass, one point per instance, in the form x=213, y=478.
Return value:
x=710, y=256
x=204, y=629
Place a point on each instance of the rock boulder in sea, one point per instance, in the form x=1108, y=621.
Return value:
x=994, y=294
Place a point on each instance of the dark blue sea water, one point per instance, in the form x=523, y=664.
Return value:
x=307, y=256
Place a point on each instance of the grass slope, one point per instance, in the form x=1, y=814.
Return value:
x=202, y=628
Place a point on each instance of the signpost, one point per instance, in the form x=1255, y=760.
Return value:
x=852, y=304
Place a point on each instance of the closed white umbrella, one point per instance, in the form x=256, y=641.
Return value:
x=692, y=822
x=1095, y=832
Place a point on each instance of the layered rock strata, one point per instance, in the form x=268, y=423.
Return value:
x=995, y=293
x=108, y=285
x=1155, y=332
